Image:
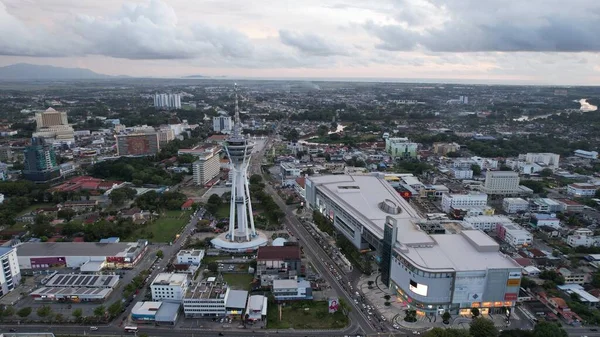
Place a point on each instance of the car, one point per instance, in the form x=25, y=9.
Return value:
x=12, y=330
x=93, y=328
x=593, y=329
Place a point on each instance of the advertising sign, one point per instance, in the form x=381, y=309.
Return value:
x=513, y=282
x=334, y=305
x=418, y=288
x=510, y=297
x=514, y=274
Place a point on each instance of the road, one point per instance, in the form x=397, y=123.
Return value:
x=313, y=250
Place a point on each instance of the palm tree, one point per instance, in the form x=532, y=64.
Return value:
x=446, y=317
x=370, y=284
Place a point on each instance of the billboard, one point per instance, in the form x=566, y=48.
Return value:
x=514, y=275
x=510, y=297
x=514, y=282
x=417, y=288
x=334, y=305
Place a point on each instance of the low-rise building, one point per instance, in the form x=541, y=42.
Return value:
x=582, y=237
x=161, y=313
x=572, y=276
x=76, y=288
x=169, y=287
x=550, y=220
x=582, y=190
x=256, y=309
x=486, y=222
x=463, y=201
x=461, y=174
x=277, y=262
x=514, y=235
x=291, y=290
x=544, y=205
x=515, y=205
x=191, y=256
x=289, y=173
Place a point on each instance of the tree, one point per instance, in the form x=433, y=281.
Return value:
x=441, y=332
x=481, y=327
x=115, y=308
x=8, y=311
x=213, y=203
x=446, y=317
x=66, y=213
x=99, y=311
x=546, y=173
x=387, y=297
x=527, y=283
x=547, y=329
x=475, y=312
x=77, y=313
x=476, y=169
x=119, y=195
x=212, y=266
x=24, y=312
x=59, y=317
x=370, y=284
x=44, y=311
x=255, y=179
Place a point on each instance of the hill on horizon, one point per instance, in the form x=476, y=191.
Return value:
x=26, y=71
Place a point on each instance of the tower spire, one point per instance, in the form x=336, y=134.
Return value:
x=237, y=126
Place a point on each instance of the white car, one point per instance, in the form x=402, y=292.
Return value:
x=93, y=328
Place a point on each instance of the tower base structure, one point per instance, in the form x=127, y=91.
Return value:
x=239, y=244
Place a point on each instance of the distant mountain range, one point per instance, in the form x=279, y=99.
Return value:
x=194, y=76
x=25, y=71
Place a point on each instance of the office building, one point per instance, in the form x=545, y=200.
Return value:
x=401, y=148
x=193, y=256
x=514, y=235
x=462, y=174
x=50, y=118
x=463, y=201
x=544, y=205
x=573, y=276
x=169, y=287
x=206, y=299
x=53, y=126
x=10, y=274
x=549, y=220
x=165, y=135
x=515, y=205
x=167, y=101
x=222, y=124
x=40, y=162
x=430, y=273
x=206, y=168
x=138, y=144
x=501, y=183
x=549, y=160
x=582, y=190
x=486, y=222
x=289, y=173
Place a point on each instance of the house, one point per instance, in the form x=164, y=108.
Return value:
x=136, y=214
x=80, y=205
x=187, y=205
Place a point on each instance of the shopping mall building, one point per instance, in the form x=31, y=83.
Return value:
x=431, y=266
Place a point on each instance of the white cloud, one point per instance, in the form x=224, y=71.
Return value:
x=311, y=44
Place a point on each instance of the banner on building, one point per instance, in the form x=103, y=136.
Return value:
x=334, y=305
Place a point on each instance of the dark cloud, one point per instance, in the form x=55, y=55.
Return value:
x=310, y=44
x=494, y=25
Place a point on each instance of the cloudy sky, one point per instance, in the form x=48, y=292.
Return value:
x=508, y=41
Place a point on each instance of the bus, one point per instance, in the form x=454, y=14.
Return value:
x=131, y=329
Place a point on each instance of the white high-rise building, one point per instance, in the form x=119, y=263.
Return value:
x=167, y=101
x=10, y=273
x=242, y=235
x=206, y=167
x=551, y=160
x=463, y=201
x=169, y=287
x=222, y=124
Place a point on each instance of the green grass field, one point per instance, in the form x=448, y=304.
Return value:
x=304, y=315
x=239, y=281
x=164, y=228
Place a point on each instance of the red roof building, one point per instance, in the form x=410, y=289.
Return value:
x=187, y=205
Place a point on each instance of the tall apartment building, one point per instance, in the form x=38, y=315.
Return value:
x=169, y=287
x=463, y=201
x=443, y=149
x=501, y=182
x=165, y=135
x=52, y=124
x=40, y=161
x=401, y=148
x=206, y=168
x=222, y=124
x=167, y=101
x=138, y=144
x=10, y=274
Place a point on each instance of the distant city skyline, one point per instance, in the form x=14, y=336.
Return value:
x=496, y=41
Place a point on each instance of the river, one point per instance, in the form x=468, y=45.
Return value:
x=584, y=106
